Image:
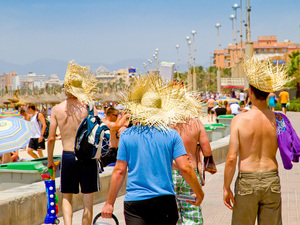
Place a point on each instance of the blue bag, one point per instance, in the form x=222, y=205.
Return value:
x=92, y=136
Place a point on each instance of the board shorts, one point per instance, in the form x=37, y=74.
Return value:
x=36, y=145
x=75, y=173
x=283, y=105
x=257, y=194
x=188, y=213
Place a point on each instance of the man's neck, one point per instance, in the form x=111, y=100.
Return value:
x=260, y=105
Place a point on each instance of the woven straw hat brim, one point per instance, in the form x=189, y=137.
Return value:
x=153, y=102
x=264, y=75
x=80, y=82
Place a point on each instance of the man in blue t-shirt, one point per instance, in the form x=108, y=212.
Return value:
x=148, y=150
x=148, y=153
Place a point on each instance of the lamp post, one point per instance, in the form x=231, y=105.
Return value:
x=194, y=66
x=218, y=25
x=177, y=47
x=156, y=58
x=149, y=61
x=232, y=17
x=235, y=7
x=189, y=57
x=145, y=67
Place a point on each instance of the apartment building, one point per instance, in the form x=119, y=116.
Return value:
x=266, y=47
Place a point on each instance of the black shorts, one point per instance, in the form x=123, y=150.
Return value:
x=76, y=172
x=159, y=211
x=283, y=105
x=209, y=110
x=36, y=145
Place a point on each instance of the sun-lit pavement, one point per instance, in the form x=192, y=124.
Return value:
x=214, y=211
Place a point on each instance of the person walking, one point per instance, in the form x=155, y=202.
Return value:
x=67, y=116
x=257, y=188
x=272, y=101
x=192, y=133
x=114, y=121
x=38, y=126
x=284, y=98
x=148, y=149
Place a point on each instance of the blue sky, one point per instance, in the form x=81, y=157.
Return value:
x=108, y=31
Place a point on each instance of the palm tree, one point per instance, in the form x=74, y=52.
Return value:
x=293, y=68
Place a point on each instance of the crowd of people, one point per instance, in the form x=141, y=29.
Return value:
x=159, y=142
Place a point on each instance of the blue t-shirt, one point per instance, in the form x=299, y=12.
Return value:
x=149, y=154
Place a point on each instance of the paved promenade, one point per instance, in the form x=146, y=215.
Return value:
x=214, y=211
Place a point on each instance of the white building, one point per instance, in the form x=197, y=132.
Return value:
x=38, y=81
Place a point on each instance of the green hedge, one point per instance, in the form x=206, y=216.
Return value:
x=294, y=105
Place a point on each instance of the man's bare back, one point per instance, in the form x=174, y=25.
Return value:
x=191, y=133
x=67, y=116
x=211, y=103
x=254, y=134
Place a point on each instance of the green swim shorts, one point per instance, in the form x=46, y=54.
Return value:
x=188, y=213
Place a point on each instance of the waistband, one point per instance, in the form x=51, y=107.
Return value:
x=68, y=152
x=258, y=175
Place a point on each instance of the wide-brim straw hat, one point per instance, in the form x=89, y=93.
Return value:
x=80, y=82
x=155, y=103
x=264, y=75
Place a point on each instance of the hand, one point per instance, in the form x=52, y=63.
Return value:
x=228, y=198
x=198, y=199
x=107, y=211
x=41, y=138
x=51, y=164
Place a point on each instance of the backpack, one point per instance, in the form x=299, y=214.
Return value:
x=46, y=133
x=92, y=135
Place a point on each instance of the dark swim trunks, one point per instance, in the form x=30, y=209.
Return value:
x=36, y=145
x=77, y=172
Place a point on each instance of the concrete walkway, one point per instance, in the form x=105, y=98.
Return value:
x=214, y=211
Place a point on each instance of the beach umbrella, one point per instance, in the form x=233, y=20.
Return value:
x=229, y=100
x=14, y=134
x=10, y=113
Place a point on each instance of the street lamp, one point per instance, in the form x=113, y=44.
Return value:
x=189, y=57
x=145, y=67
x=232, y=17
x=235, y=7
x=149, y=61
x=194, y=69
x=177, y=47
x=156, y=54
x=218, y=25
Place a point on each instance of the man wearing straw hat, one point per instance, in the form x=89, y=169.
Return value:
x=253, y=137
x=67, y=116
x=148, y=149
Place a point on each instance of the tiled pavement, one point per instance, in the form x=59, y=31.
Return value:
x=214, y=211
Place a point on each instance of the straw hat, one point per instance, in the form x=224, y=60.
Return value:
x=264, y=75
x=153, y=102
x=80, y=82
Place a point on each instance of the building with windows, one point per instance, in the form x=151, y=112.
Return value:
x=266, y=47
x=31, y=80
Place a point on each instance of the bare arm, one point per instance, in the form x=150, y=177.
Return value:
x=51, y=139
x=44, y=126
x=117, y=179
x=230, y=164
x=204, y=141
x=190, y=177
x=119, y=122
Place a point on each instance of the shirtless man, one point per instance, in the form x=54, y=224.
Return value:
x=257, y=188
x=67, y=116
x=114, y=122
x=192, y=133
x=210, y=113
